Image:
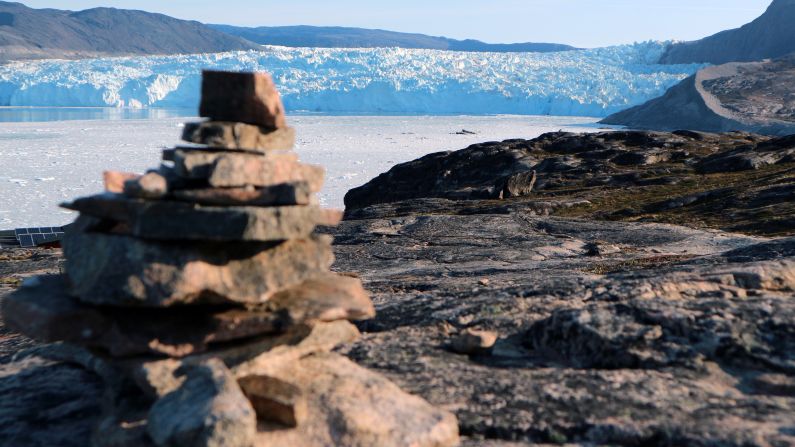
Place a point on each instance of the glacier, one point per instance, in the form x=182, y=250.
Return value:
x=592, y=82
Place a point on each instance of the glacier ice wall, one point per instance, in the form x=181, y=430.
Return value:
x=593, y=82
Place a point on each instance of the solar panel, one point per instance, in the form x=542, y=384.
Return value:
x=31, y=237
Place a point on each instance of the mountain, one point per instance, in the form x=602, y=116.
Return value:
x=752, y=96
x=769, y=36
x=340, y=37
x=27, y=33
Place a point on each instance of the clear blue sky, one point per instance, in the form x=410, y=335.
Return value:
x=585, y=23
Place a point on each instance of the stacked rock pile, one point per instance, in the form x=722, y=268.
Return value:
x=201, y=295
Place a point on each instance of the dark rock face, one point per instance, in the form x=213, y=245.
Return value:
x=624, y=175
x=54, y=403
x=481, y=171
x=754, y=97
x=769, y=36
x=51, y=33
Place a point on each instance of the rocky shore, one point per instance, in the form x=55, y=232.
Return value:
x=623, y=288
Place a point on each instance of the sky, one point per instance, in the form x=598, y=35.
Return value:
x=583, y=23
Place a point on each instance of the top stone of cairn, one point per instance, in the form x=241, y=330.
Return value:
x=249, y=98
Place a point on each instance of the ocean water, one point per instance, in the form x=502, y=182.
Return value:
x=48, y=156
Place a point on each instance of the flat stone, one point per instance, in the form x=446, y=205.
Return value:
x=285, y=194
x=152, y=185
x=241, y=97
x=42, y=310
x=354, y=406
x=114, y=180
x=230, y=171
x=125, y=271
x=198, y=163
x=275, y=400
x=208, y=409
x=169, y=220
x=241, y=136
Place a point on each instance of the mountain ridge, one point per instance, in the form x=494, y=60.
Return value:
x=349, y=37
x=27, y=33
x=771, y=35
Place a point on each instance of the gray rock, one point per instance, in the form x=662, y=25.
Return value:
x=231, y=135
x=518, y=185
x=249, y=98
x=48, y=403
x=208, y=409
x=173, y=221
x=123, y=271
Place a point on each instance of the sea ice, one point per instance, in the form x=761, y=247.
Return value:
x=352, y=149
x=593, y=82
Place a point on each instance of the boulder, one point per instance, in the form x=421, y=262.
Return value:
x=355, y=407
x=207, y=410
x=241, y=136
x=118, y=270
x=474, y=342
x=249, y=98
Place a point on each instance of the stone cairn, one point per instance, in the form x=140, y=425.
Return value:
x=201, y=296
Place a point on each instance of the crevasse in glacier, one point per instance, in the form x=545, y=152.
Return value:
x=593, y=82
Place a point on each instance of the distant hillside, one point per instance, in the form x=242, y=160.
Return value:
x=752, y=96
x=339, y=37
x=769, y=36
x=27, y=33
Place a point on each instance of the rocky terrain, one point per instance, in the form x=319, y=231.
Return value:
x=769, y=36
x=27, y=33
x=625, y=288
x=750, y=96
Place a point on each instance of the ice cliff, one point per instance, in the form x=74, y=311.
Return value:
x=594, y=82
